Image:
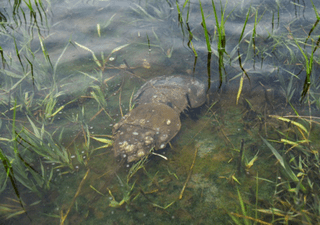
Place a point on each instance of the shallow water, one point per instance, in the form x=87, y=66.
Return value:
x=74, y=78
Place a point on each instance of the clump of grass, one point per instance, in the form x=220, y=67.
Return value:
x=294, y=198
x=42, y=143
x=221, y=37
x=19, y=172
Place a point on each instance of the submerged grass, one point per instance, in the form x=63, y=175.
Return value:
x=298, y=161
x=308, y=67
x=8, y=167
x=33, y=156
x=296, y=186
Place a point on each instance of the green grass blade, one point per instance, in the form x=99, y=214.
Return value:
x=285, y=165
x=315, y=10
x=4, y=62
x=105, y=25
x=206, y=34
x=243, y=208
x=244, y=25
x=93, y=55
x=14, y=137
x=275, y=152
x=57, y=62
x=9, y=171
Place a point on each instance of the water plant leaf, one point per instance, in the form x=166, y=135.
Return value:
x=240, y=39
x=12, y=74
x=92, y=77
x=103, y=140
x=235, y=179
x=244, y=25
x=205, y=28
x=293, y=143
x=44, y=50
x=99, y=30
x=243, y=209
x=96, y=190
x=93, y=55
x=308, y=67
x=57, y=62
x=13, y=178
x=15, y=214
x=16, y=84
x=137, y=166
x=179, y=12
x=104, y=146
x=119, y=48
x=143, y=11
x=240, y=89
x=105, y=25
x=291, y=122
x=5, y=139
x=250, y=164
x=285, y=165
x=232, y=215
x=4, y=62
x=185, y=3
x=99, y=97
x=163, y=207
x=35, y=129
x=274, y=151
x=57, y=111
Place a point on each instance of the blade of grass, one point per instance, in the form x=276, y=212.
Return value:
x=243, y=209
x=284, y=164
x=240, y=39
x=93, y=55
x=291, y=122
x=205, y=29
x=240, y=89
x=57, y=62
x=308, y=67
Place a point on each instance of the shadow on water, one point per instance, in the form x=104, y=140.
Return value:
x=69, y=73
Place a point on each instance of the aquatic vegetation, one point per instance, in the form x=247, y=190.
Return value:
x=252, y=144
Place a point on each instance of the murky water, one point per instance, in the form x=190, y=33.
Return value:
x=69, y=73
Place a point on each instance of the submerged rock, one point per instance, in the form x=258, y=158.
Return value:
x=156, y=119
